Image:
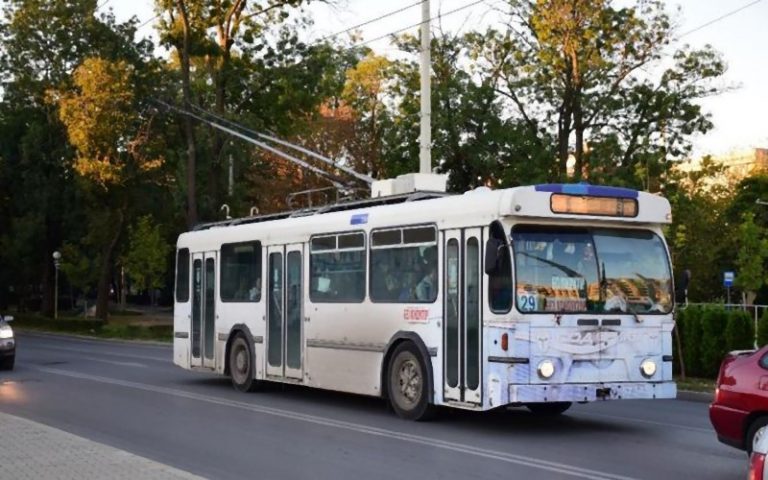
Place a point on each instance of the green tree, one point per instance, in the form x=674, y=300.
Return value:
x=146, y=258
x=42, y=43
x=116, y=153
x=750, y=258
x=577, y=70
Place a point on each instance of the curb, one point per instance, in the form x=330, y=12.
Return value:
x=701, y=397
x=43, y=333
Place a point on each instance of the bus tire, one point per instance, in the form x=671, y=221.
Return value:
x=241, y=365
x=551, y=409
x=408, y=384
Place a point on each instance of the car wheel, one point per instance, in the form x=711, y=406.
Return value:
x=408, y=384
x=551, y=409
x=241, y=365
x=7, y=363
x=751, y=436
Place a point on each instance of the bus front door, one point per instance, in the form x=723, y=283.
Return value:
x=285, y=312
x=462, y=330
x=203, y=309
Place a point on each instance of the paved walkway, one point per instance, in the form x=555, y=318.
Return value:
x=30, y=450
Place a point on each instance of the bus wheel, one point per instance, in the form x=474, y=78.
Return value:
x=241, y=365
x=408, y=385
x=551, y=409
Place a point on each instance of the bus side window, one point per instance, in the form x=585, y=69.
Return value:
x=182, y=276
x=337, y=268
x=404, y=265
x=500, y=281
x=241, y=272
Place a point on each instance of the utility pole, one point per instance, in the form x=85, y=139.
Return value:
x=231, y=188
x=425, y=139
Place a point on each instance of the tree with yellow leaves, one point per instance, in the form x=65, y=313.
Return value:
x=115, y=157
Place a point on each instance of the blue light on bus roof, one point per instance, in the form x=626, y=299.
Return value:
x=587, y=189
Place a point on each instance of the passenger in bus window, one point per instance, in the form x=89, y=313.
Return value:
x=425, y=289
x=253, y=293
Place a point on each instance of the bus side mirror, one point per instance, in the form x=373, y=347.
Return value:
x=492, y=247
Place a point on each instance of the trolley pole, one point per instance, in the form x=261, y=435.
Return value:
x=425, y=139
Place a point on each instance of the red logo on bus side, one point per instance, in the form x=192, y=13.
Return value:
x=413, y=314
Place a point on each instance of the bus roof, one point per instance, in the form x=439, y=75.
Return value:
x=473, y=208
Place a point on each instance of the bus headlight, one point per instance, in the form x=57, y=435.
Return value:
x=648, y=368
x=546, y=369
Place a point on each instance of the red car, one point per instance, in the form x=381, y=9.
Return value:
x=740, y=408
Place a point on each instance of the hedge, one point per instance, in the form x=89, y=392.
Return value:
x=708, y=333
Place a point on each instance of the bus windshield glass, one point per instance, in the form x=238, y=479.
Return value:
x=570, y=270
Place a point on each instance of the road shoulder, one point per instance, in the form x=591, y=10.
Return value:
x=34, y=450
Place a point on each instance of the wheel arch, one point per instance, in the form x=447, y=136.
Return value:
x=397, y=339
x=233, y=332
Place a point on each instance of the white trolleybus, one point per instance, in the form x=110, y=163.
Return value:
x=538, y=296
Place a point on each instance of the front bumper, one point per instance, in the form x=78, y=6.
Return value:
x=7, y=347
x=590, y=392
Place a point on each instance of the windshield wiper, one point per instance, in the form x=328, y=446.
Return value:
x=568, y=271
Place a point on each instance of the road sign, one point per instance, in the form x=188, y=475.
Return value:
x=728, y=279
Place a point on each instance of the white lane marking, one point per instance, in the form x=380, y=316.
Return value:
x=112, y=362
x=355, y=427
x=708, y=431
x=167, y=360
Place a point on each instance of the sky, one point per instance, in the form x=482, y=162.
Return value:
x=740, y=114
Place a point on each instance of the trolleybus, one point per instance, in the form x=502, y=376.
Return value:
x=539, y=296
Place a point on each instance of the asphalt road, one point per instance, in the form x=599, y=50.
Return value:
x=130, y=396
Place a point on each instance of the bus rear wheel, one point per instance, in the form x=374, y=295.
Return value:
x=551, y=409
x=408, y=384
x=241, y=365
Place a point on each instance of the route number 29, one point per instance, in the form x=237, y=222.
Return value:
x=527, y=302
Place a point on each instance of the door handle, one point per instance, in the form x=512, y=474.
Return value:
x=306, y=319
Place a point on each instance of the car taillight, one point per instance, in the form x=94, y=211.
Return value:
x=756, y=466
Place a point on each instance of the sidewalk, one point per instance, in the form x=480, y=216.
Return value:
x=30, y=450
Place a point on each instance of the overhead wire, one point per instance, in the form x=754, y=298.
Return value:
x=337, y=182
x=718, y=19
x=436, y=17
x=368, y=22
x=272, y=138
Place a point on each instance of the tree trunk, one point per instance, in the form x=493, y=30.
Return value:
x=105, y=274
x=189, y=131
x=563, y=135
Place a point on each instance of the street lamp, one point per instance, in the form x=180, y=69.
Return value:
x=56, y=263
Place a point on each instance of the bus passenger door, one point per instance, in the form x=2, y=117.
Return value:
x=462, y=322
x=285, y=295
x=203, y=309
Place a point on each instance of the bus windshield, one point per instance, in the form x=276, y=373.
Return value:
x=569, y=270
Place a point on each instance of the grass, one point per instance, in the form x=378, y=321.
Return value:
x=118, y=329
x=690, y=384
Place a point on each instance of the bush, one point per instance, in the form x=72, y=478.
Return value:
x=713, y=347
x=691, y=339
x=739, y=331
x=762, y=329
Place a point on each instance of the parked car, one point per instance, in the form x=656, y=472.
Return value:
x=757, y=470
x=740, y=407
x=7, y=344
